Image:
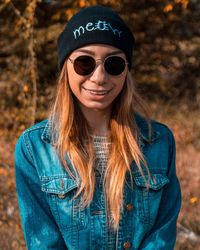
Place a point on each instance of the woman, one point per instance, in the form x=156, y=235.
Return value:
x=97, y=174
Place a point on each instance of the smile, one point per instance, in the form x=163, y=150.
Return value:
x=97, y=92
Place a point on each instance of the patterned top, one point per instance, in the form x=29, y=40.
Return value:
x=102, y=145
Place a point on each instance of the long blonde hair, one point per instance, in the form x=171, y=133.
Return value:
x=74, y=138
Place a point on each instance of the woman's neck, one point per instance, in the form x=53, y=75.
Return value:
x=98, y=120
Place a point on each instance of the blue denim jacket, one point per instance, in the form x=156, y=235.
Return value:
x=53, y=219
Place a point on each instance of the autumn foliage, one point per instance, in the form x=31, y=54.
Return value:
x=166, y=68
x=165, y=60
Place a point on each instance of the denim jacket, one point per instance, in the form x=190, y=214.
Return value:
x=53, y=219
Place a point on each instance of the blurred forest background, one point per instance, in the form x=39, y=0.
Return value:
x=167, y=72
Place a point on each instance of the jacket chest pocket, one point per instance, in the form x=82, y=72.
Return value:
x=147, y=200
x=65, y=208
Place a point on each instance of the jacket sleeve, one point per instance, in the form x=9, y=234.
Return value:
x=163, y=234
x=40, y=228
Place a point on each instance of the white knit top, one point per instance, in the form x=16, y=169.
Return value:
x=102, y=145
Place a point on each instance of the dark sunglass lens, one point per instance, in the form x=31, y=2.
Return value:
x=84, y=65
x=115, y=65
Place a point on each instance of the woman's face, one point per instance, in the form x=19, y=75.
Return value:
x=98, y=89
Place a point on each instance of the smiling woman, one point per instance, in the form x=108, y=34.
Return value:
x=97, y=175
x=93, y=83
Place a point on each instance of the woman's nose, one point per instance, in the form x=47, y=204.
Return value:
x=99, y=75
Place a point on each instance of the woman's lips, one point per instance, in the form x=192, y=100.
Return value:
x=97, y=92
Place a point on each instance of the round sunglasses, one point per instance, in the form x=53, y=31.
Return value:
x=85, y=65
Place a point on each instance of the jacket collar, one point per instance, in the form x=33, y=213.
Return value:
x=143, y=127
x=140, y=121
x=46, y=134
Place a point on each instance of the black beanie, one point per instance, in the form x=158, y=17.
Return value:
x=92, y=25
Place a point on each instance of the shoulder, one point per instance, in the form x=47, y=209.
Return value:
x=37, y=130
x=34, y=144
x=157, y=144
x=40, y=126
x=162, y=128
x=152, y=130
x=34, y=135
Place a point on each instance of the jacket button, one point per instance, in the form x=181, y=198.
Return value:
x=127, y=245
x=129, y=207
x=61, y=196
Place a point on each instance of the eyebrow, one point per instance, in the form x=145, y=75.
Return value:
x=116, y=52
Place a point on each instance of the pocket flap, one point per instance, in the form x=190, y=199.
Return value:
x=58, y=184
x=157, y=181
